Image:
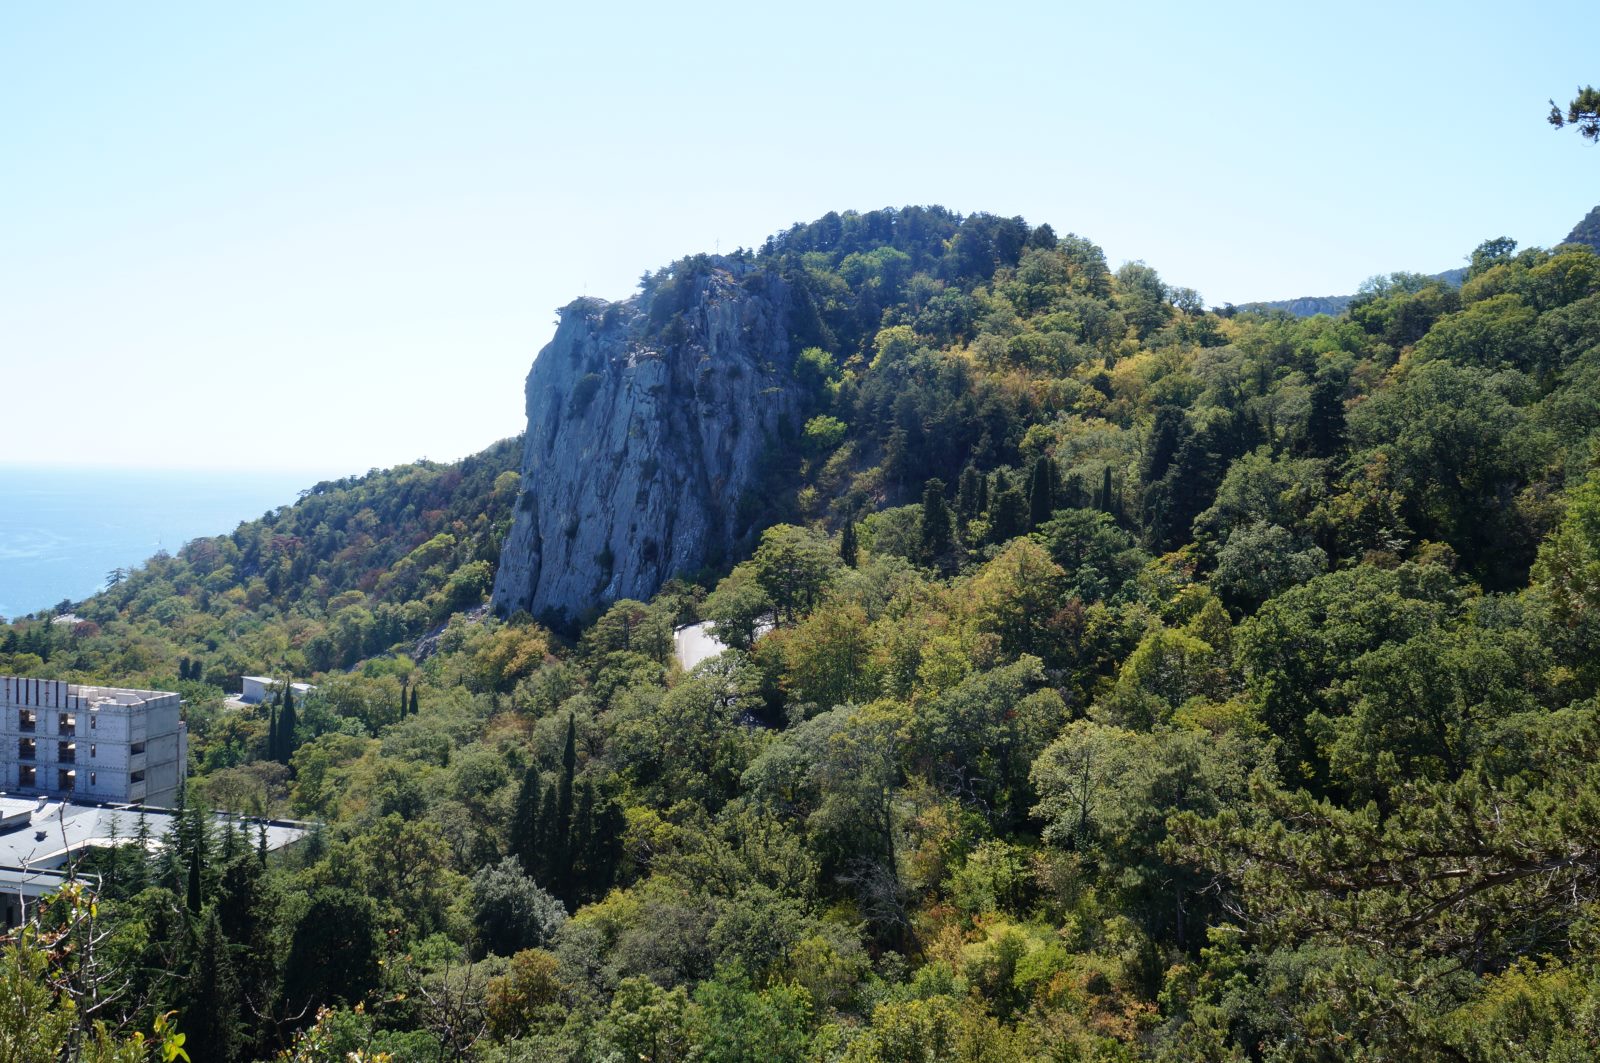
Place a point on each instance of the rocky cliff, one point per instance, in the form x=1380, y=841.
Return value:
x=648, y=421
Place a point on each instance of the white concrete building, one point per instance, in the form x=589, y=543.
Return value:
x=91, y=743
x=259, y=688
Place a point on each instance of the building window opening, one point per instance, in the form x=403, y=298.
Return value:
x=137, y=776
x=27, y=720
x=66, y=779
x=27, y=776
x=66, y=752
x=26, y=748
x=135, y=749
x=91, y=778
x=69, y=724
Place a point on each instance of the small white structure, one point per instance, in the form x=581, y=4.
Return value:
x=91, y=743
x=259, y=688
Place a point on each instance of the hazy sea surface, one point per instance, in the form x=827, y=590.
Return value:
x=63, y=530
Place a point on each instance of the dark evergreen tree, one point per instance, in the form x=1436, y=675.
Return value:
x=583, y=845
x=286, y=726
x=1008, y=512
x=196, y=888
x=1324, y=435
x=414, y=708
x=522, y=839
x=848, y=549
x=1042, y=492
x=273, y=749
x=548, y=835
x=562, y=852
x=971, y=492
x=938, y=527
x=210, y=1016
x=402, y=713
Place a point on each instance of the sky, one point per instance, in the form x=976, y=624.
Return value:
x=332, y=237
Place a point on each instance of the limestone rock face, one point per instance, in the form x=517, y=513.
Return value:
x=647, y=421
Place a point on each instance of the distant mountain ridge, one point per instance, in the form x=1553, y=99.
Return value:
x=1586, y=232
x=1334, y=305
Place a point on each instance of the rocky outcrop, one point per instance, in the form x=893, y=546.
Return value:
x=648, y=420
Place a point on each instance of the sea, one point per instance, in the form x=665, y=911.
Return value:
x=63, y=530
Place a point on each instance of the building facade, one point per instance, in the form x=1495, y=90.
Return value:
x=91, y=743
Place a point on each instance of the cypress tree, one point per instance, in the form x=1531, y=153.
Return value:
x=402, y=713
x=583, y=845
x=211, y=1016
x=1042, y=492
x=1008, y=515
x=546, y=837
x=848, y=550
x=1103, y=501
x=197, y=857
x=523, y=839
x=414, y=701
x=272, y=730
x=607, y=846
x=569, y=766
x=286, y=725
x=261, y=842
x=969, y=494
x=938, y=531
x=1325, y=426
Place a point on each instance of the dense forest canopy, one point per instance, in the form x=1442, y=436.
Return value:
x=1116, y=679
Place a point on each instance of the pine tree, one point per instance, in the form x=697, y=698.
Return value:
x=1042, y=492
x=848, y=550
x=210, y=1019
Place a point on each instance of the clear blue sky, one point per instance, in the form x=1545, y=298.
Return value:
x=332, y=236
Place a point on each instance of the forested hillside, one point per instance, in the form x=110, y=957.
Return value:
x=1142, y=682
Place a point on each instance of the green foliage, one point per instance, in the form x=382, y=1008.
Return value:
x=1240, y=704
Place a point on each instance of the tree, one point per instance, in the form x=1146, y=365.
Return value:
x=511, y=912
x=562, y=853
x=1008, y=511
x=1042, y=491
x=793, y=565
x=211, y=1015
x=1324, y=436
x=1583, y=112
x=522, y=839
x=333, y=953
x=848, y=549
x=938, y=540
x=286, y=725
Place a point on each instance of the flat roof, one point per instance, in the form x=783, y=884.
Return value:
x=55, y=829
